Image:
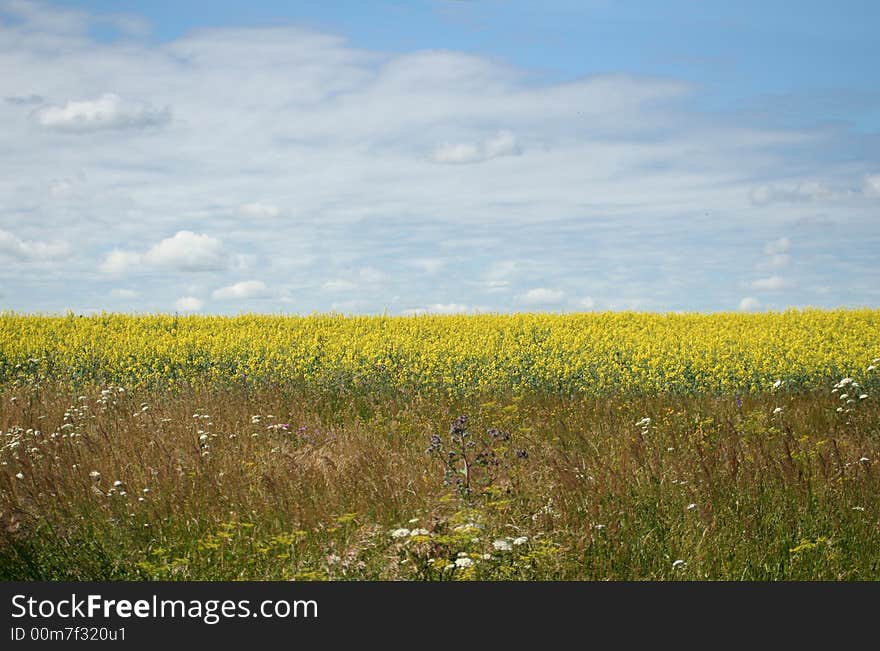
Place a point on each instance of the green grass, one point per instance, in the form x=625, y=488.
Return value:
x=713, y=488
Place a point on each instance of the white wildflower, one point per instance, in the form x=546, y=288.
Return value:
x=95, y=475
x=419, y=532
x=400, y=533
x=522, y=540
x=19, y=476
x=778, y=410
x=691, y=506
x=864, y=396
x=464, y=562
x=502, y=545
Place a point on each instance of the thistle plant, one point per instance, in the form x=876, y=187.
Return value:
x=473, y=463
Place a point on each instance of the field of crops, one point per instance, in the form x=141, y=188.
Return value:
x=527, y=447
x=572, y=353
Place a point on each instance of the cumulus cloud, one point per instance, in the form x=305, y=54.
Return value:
x=259, y=210
x=184, y=251
x=188, y=251
x=109, y=111
x=241, y=290
x=541, y=296
x=31, y=250
x=189, y=304
x=749, y=304
x=502, y=143
x=771, y=283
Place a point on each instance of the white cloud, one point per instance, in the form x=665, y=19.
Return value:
x=123, y=293
x=118, y=261
x=109, y=111
x=749, y=304
x=259, y=210
x=18, y=249
x=771, y=283
x=241, y=290
x=871, y=186
x=184, y=251
x=795, y=192
x=502, y=143
x=541, y=296
x=189, y=304
x=587, y=303
x=188, y=251
x=457, y=153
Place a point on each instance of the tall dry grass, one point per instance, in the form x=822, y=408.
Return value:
x=277, y=483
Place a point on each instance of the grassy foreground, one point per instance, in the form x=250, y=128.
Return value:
x=282, y=483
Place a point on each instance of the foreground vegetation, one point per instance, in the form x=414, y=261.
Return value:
x=282, y=482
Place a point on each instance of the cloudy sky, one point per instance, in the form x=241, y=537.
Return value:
x=438, y=156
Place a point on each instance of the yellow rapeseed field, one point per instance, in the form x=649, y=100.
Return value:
x=591, y=353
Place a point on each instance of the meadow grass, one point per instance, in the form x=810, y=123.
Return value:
x=278, y=482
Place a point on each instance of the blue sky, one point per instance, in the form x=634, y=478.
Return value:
x=442, y=156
